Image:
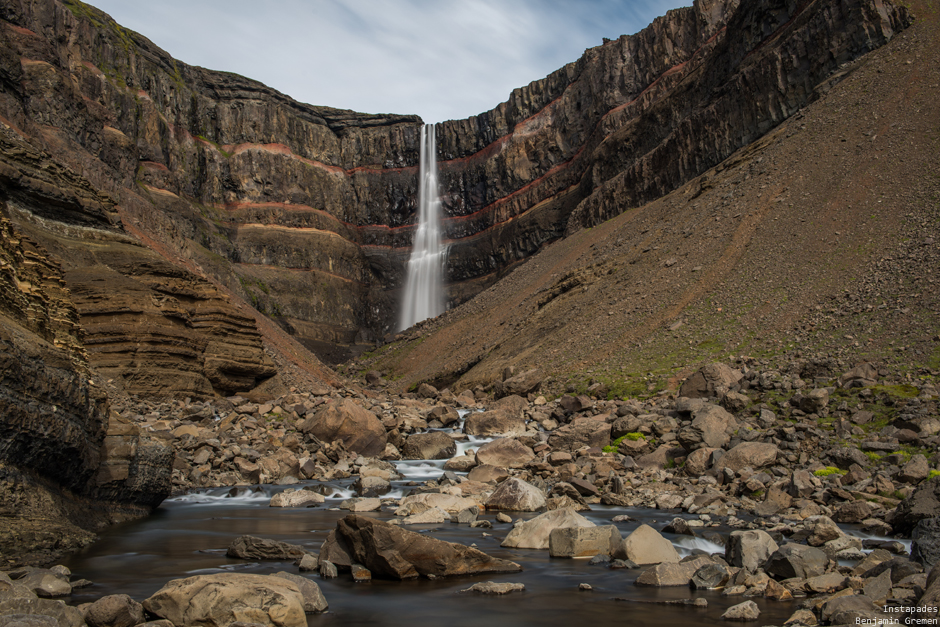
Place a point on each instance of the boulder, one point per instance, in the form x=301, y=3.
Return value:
x=698, y=461
x=853, y=609
x=672, y=574
x=371, y=487
x=915, y=470
x=580, y=433
x=814, y=401
x=820, y=530
x=748, y=454
x=417, y=503
x=711, y=427
x=710, y=576
x=844, y=456
x=314, y=601
x=514, y=494
x=45, y=583
x=663, y=456
x=461, y=463
x=796, y=560
x=646, y=546
x=923, y=503
x=391, y=552
x=742, y=611
x=583, y=541
x=535, y=533
x=357, y=428
x=495, y=422
x=296, y=498
x=114, y=610
x=925, y=548
x=431, y=445
x=432, y=516
x=36, y=612
x=505, y=453
x=221, y=599
x=852, y=512
x=749, y=549
x=488, y=474
x=253, y=548
x=523, y=384
x=710, y=380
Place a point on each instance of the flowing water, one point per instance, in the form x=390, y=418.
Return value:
x=188, y=535
x=424, y=285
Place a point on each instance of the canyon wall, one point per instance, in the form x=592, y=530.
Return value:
x=307, y=212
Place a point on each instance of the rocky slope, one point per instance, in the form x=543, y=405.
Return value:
x=307, y=212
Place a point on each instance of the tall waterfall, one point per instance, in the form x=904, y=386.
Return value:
x=424, y=286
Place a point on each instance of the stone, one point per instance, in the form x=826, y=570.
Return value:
x=296, y=498
x=523, y=384
x=878, y=589
x=923, y=503
x=308, y=563
x=492, y=423
x=699, y=461
x=514, y=494
x=814, y=401
x=925, y=548
x=114, y=610
x=328, y=570
x=535, y=532
x=821, y=529
x=843, y=545
x=220, y=599
x=488, y=474
x=314, y=601
x=749, y=549
x=36, y=612
x=801, y=617
x=394, y=553
x=748, y=454
x=583, y=432
x=645, y=545
x=45, y=584
x=357, y=428
x=742, y=611
x=360, y=573
x=462, y=463
x=853, y=609
x=843, y=457
x=776, y=592
x=583, y=541
x=417, y=503
x=709, y=380
x=371, y=487
x=825, y=583
x=490, y=587
x=467, y=516
x=672, y=574
x=852, y=512
x=914, y=471
x=710, y=576
x=503, y=518
x=431, y=445
x=711, y=427
x=796, y=560
x=504, y=453
x=434, y=515
x=663, y=456
x=369, y=504
x=253, y=548
x=801, y=484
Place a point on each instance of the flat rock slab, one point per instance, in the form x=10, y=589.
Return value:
x=534, y=533
x=253, y=548
x=489, y=587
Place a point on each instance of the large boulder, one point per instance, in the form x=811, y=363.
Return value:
x=583, y=541
x=394, y=553
x=925, y=549
x=711, y=427
x=645, y=545
x=514, y=494
x=357, y=428
x=522, y=384
x=710, y=381
x=923, y=503
x=820, y=530
x=221, y=599
x=672, y=574
x=796, y=560
x=748, y=454
x=296, y=498
x=495, y=422
x=535, y=533
x=253, y=548
x=432, y=445
x=580, y=433
x=749, y=549
x=114, y=610
x=314, y=601
x=505, y=453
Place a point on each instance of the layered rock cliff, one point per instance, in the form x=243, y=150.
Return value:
x=307, y=212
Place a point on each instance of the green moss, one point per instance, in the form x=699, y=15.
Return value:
x=933, y=473
x=614, y=446
x=873, y=456
x=829, y=470
x=896, y=391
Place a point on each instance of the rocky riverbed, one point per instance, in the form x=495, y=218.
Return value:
x=780, y=472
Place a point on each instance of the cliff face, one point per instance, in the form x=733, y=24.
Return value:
x=308, y=212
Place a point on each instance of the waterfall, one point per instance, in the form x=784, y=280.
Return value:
x=424, y=286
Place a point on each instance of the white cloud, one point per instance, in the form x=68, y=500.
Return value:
x=440, y=59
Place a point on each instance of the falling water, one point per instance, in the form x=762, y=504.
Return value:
x=424, y=284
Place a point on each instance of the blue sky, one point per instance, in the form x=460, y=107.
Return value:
x=440, y=59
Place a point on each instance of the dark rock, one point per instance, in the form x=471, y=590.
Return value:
x=925, y=548
x=796, y=560
x=252, y=548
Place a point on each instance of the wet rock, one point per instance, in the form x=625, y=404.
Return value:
x=224, y=598
x=314, y=601
x=679, y=526
x=490, y=587
x=710, y=576
x=114, y=610
x=328, y=570
x=583, y=541
x=432, y=445
x=742, y=611
x=925, y=548
x=646, y=546
x=749, y=549
x=796, y=560
x=504, y=453
x=360, y=573
x=672, y=574
x=253, y=548
x=516, y=495
x=308, y=563
x=535, y=533
x=801, y=617
x=296, y=498
x=391, y=552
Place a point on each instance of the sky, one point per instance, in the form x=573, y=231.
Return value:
x=440, y=59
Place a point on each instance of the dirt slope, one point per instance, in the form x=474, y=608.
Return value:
x=819, y=239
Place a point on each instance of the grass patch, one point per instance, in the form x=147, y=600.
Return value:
x=614, y=446
x=829, y=470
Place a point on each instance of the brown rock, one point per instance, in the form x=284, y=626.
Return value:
x=357, y=428
x=505, y=453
